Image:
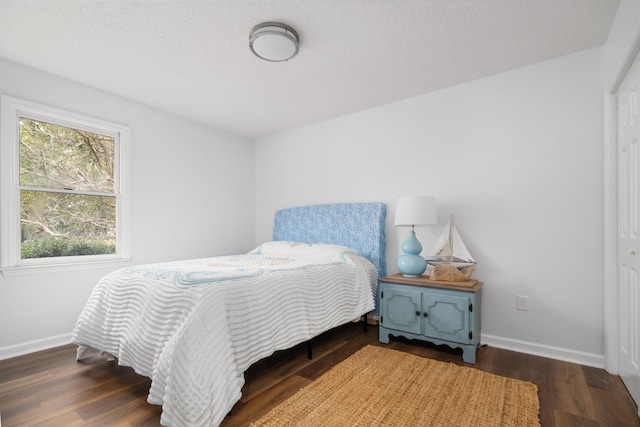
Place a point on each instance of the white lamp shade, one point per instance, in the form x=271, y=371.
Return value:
x=416, y=211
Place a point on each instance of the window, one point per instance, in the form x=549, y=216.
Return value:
x=62, y=178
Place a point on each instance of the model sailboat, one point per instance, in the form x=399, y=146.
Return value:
x=450, y=257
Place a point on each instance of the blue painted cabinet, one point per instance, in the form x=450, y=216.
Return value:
x=439, y=312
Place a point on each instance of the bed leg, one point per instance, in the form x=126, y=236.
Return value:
x=82, y=349
x=309, y=350
x=110, y=357
x=366, y=323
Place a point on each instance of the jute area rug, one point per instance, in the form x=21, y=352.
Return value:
x=382, y=387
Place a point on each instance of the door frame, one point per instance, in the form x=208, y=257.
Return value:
x=627, y=57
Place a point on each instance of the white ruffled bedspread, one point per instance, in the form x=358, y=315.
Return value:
x=195, y=326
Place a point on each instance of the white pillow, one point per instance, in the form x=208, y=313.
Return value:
x=298, y=249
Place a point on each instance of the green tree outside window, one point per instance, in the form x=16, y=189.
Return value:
x=67, y=197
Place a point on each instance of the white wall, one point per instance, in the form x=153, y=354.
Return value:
x=192, y=195
x=516, y=157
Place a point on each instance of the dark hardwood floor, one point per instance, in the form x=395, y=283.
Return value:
x=50, y=388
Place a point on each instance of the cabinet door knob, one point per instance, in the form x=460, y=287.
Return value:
x=425, y=314
x=417, y=313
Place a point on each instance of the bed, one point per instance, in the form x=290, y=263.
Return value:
x=194, y=326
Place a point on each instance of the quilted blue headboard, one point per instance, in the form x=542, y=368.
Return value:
x=359, y=226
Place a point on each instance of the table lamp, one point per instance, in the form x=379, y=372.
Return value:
x=412, y=212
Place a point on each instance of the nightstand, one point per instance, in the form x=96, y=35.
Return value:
x=428, y=310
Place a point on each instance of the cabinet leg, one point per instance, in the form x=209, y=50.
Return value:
x=469, y=354
x=383, y=336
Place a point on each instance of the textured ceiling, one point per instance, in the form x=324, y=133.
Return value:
x=192, y=57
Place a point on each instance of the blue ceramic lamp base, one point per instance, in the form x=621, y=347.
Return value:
x=411, y=264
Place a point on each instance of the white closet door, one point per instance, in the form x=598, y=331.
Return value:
x=629, y=232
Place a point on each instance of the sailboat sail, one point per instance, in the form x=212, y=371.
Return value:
x=450, y=249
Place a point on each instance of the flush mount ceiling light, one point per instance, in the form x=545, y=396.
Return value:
x=274, y=42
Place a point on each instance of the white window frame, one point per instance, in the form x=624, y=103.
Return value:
x=11, y=109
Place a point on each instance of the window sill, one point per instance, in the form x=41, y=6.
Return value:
x=55, y=268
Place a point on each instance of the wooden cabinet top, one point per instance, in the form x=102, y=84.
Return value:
x=469, y=285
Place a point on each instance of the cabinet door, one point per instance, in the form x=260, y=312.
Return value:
x=401, y=310
x=447, y=317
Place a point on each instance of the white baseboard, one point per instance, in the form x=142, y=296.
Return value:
x=567, y=355
x=33, y=346
x=558, y=353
